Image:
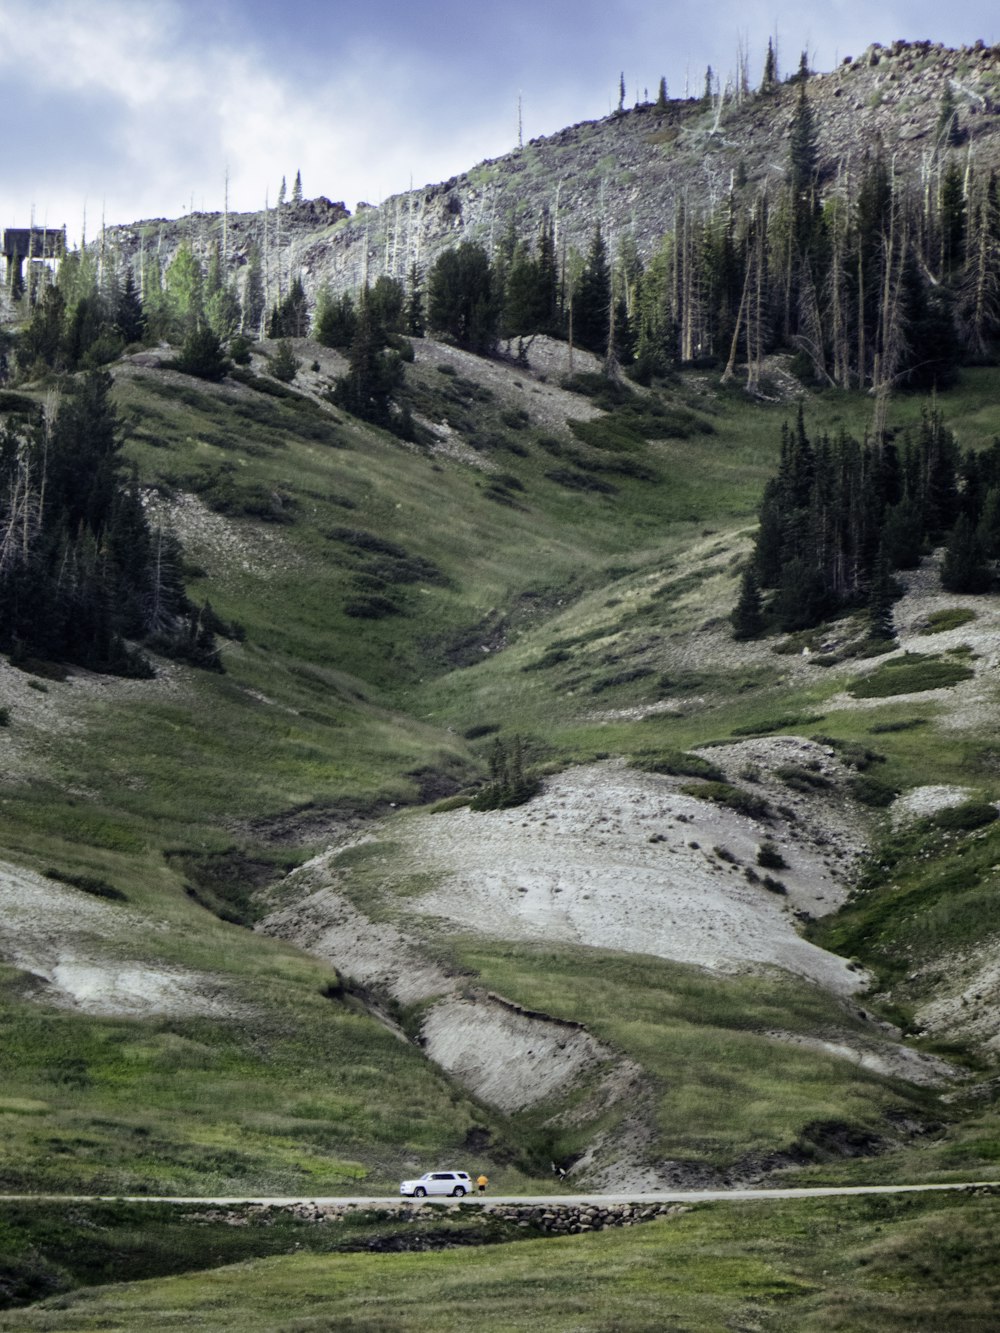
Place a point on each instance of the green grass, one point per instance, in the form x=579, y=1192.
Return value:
x=519, y=605
x=724, y=1087
x=805, y=1266
x=929, y=890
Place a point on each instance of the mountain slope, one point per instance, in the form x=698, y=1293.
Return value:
x=631, y=172
x=495, y=595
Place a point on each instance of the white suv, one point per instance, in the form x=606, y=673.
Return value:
x=438, y=1182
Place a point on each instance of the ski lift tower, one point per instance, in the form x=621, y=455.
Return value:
x=38, y=247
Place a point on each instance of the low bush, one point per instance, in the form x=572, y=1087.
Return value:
x=910, y=674
x=550, y=659
x=769, y=858
x=580, y=481
x=869, y=791
x=735, y=798
x=965, y=817
x=952, y=617
x=99, y=888
x=802, y=779
x=678, y=763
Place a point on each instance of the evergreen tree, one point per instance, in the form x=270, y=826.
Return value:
x=283, y=364
x=297, y=188
x=770, y=77
x=881, y=594
x=748, y=614
x=373, y=374
x=462, y=299
x=803, y=151
x=388, y=300
x=336, y=320
x=661, y=96
x=290, y=319
x=253, y=295
x=947, y=133
x=592, y=302
x=184, y=291
x=202, y=355
x=965, y=568
x=130, y=318
x=413, y=317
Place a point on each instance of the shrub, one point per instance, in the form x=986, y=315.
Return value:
x=284, y=363
x=678, y=763
x=99, y=888
x=952, y=617
x=965, y=817
x=769, y=858
x=239, y=349
x=509, y=785
x=801, y=779
x=201, y=354
x=735, y=798
x=869, y=791
x=371, y=607
x=910, y=674
x=550, y=659
x=481, y=729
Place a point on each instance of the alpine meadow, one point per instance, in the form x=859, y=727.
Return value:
x=506, y=681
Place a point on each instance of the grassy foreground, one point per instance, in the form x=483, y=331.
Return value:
x=915, y=1262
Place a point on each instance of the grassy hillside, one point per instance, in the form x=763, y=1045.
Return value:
x=546, y=562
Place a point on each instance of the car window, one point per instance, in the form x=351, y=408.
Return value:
x=442, y=1175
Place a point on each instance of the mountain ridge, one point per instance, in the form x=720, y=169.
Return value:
x=630, y=171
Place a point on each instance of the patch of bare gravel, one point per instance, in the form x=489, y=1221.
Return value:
x=534, y=387
x=966, y=1006
x=922, y=801
x=612, y=858
x=226, y=547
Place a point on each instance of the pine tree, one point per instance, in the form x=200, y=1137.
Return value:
x=463, y=298
x=297, y=188
x=373, y=374
x=964, y=567
x=770, y=69
x=947, y=133
x=414, y=319
x=336, y=320
x=748, y=614
x=130, y=318
x=661, y=96
x=202, y=355
x=592, y=302
x=283, y=364
x=881, y=593
x=803, y=150
x=253, y=295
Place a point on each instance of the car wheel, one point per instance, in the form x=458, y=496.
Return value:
x=458, y=1191
x=419, y=1192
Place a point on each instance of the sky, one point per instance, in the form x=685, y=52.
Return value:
x=121, y=110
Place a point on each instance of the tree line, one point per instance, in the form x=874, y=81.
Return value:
x=840, y=517
x=84, y=576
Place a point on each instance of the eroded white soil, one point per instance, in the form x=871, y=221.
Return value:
x=85, y=953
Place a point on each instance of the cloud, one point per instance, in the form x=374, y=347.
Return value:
x=141, y=110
